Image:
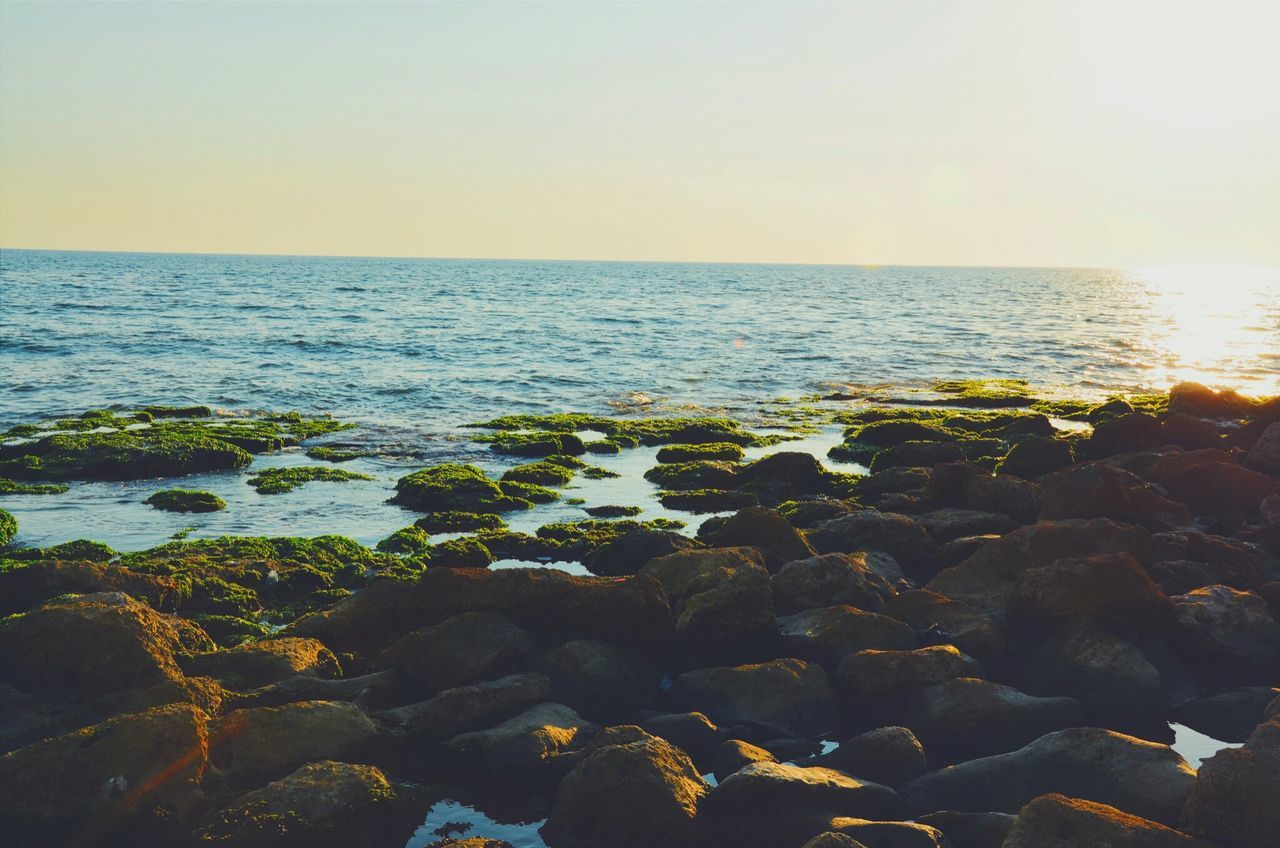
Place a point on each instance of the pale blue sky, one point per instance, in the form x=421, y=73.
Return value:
x=876, y=132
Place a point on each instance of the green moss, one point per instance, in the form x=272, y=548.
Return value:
x=23, y=431
x=216, y=596
x=8, y=527
x=507, y=544
x=411, y=540
x=13, y=487
x=79, y=549
x=301, y=427
x=1152, y=404
x=711, y=450
x=858, y=417
x=612, y=511
x=986, y=393
x=577, y=540
x=575, y=501
x=178, y=411
x=595, y=472
x=702, y=474
x=186, y=500
x=459, y=522
x=707, y=500
x=129, y=455
x=455, y=487
x=467, y=552
x=603, y=446
x=229, y=630
x=534, y=444
x=1069, y=410
x=540, y=473
x=329, y=454
x=560, y=422
x=277, y=481
x=570, y=462
x=888, y=433
x=625, y=432
x=530, y=492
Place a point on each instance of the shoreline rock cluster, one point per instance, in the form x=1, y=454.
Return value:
x=996, y=626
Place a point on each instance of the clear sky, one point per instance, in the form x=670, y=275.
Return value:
x=1005, y=133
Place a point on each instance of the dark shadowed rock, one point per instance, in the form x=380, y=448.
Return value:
x=25, y=586
x=833, y=840
x=1231, y=562
x=829, y=579
x=592, y=677
x=1264, y=456
x=877, y=675
x=958, y=550
x=1233, y=635
x=1217, y=488
x=826, y=635
x=516, y=755
x=455, y=711
x=1189, y=432
x=1197, y=399
x=950, y=523
x=252, y=747
x=765, y=785
x=1095, y=490
x=256, y=664
x=693, y=733
x=1129, y=433
x=967, y=485
x=733, y=754
x=971, y=830
x=971, y=631
x=897, y=535
x=1036, y=456
x=916, y=455
x=888, y=755
x=1139, y=777
x=457, y=650
x=1111, y=588
x=628, y=553
x=636, y=795
x=1056, y=821
x=1234, y=801
x=1230, y=716
x=767, y=530
x=790, y=695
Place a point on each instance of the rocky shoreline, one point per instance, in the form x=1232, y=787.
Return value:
x=996, y=624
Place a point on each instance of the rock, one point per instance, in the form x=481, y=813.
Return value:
x=1112, y=588
x=1234, y=635
x=1234, y=801
x=826, y=635
x=377, y=689
x=876, y=834
x=968, y=485
x=455, y=711
x=94, y=644
x=1189, y=432
x=1218, y=488
x=1230, y=716
x=833, y=840
x=1109, y=676
x=973, y=632
x=693, y=733
x=1264, y=456
x=829, y=579
x=958, y=550
x=876, y=675
x=787, y=476
x=984, y=580
x=25, y=586
x=789, y=695
x=1269, y=511
x=542, y=601
x=720, y=599
x=322, y=803
x=254, y=746
x=897, y=535
x=515, y=756
x=637, y=795
x=1230, y=562
x=916, y=455
x=1196, y=399
x=1139, y=777
x=89, y=781
x=255, y=664
x=765, y=785
x=807, y=514
x=1129, y=433
x=458, y=650
x=888, y=755
x=1034, y=457
x=1095, y=490
x=971, y=830
x=767, y=530
x=591, y=676
x=893, y=481
x=964, y=718
x=1056, y=821
x=733, y=754
x=629, y=552
x=950, y=523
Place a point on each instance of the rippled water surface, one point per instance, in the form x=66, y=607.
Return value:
x=433, y=343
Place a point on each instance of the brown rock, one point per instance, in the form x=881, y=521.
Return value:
x=870, y=675
x=827, y=580
x=458, y=650
x=888, y=755
x=25, y=586
x=766, y=529
x=1232, y=634
x=826, y=635
x=1234, y=801
x=733, y=754
x=765, y=785
x=516, y=755
x=252, y=747
x=788, y=695
x=1056, y=821
x=1095, y=490
x=973, y=632
x=1108, y=587
x=256, y=664
x=897, y=535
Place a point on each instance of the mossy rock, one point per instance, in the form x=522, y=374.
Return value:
x=986, y=393
x=595, y=472
x=178, y=411
x=612, y=511
x=535, y=444
x=119, y=456
x=467, y=552
x=1066, y=409
x=459, y=522
x=186, y=500
x=328, y=454
x=277, y=481
x=854, y=451
x=700, y=474
x=578, y=540
x=8, y=527
x=13, y=487
x=689, y=453
x=80, y=549
x=411, y=540
x=508, y=544
x=228, y=630
x=529, y=492
x=892, y=432
x=624, y=432
x=454, y=487
x=707, y=500
x=545, y=473
x=603, y=446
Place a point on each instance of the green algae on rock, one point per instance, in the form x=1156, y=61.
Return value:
x=13, y=487
x=329, y=454
x=411, y=540
x=540, y=474
x=277, y=481
x=186, y=500
x=707, y=500
x=459, y=522
x=699, y=474
x=612, y=511
x=8, y=528
x=454, y=488
x=80, y=549
x=710, y=450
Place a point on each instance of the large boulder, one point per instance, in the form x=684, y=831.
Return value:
x=516, y=755
x=94, y=644
x=1112, y=588
x=24, y=586
x=140, y=766
x=787, y=476
x=1095, y=490
x=828, y=634
x=1036, y=456
x=1141, y=778
x=1187, y=560
x=733, y=754
x=1234, y=801
x=1128, y=433
x=964, y=718
x=321, y=804
x=720, y=599
x=869, y=676
x=1230, y=635
x=984, y=580
x=254, y=746
x=767, y=530
x=457, y=650
x=822, y=581
x=255, y=664
x=897, y=535
x=786, y=695
x=888, y=755
x=1056, y=821
x=973, y=632
x=693, y=733
x=765, y=785
x=635, y=795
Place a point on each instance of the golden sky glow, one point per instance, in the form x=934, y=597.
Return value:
x=1010, y=133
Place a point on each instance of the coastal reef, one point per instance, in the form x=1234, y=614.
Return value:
x=982, y=630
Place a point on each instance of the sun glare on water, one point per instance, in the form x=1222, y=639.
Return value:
x=1207, y=315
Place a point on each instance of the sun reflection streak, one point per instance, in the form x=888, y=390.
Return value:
x=1207, y=318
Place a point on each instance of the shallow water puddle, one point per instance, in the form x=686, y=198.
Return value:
x=1194, y=746
x=469, y=822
